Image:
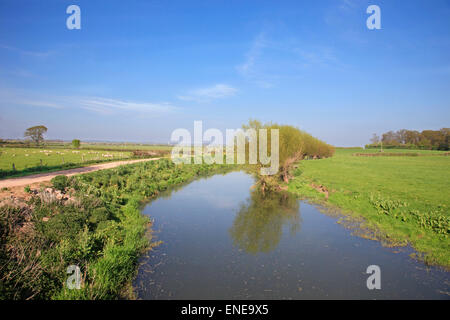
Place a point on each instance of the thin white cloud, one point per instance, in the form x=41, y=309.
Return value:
x=316, y=57
x=347, y=5
x=39, y=103
x=271, y=59
x=37, y=54
x=249, y=69
x=95, y=104
x=105, y=105
x=218, y=91
x=21, y=73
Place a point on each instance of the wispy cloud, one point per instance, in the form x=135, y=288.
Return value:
x=99, y=105
x=249, y=69
x=218, y=91
x=23, y=73
x=345, y=18
x=46, y=103
x=37, y=54
x=271, y=59
x=105, y=106
x=316, y=57
x=346, y=5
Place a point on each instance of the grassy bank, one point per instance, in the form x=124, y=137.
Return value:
x=403, y=200
x=94, y=223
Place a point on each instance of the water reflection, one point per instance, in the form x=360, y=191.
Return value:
x=258, y=225
x=222, y=241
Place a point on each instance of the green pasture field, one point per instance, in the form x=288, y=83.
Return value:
x=403, y=200
x=350, y=151
x=25, y=159
x=144, y=147
x=113, y=146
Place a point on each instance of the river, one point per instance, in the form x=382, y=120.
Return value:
x=223, y=240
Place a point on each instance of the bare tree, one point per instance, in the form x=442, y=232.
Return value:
x=375, y=139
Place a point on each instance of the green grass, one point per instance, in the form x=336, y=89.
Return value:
x=350, y=151
x=125, y=147
x=404, y=200
x=34, y=160
x=31, y=157
x=112, y=146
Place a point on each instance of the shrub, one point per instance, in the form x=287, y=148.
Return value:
x=60, y=182
x=98, y=215
x=76, y=143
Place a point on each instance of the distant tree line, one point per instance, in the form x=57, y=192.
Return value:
x=411, y=139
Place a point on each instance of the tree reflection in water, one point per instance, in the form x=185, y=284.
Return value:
x=258, y=225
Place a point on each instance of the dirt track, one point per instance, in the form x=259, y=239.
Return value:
x=42, y=177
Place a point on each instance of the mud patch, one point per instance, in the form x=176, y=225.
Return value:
x=320, y=188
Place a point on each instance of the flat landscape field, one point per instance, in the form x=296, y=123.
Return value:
x=45, y=159
x=406, y=199
x=126, y=147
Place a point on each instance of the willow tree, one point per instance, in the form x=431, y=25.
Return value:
x=293, y=146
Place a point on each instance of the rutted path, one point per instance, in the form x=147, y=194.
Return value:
x=41, y=177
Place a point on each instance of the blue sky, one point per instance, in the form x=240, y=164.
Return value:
x=137, y=70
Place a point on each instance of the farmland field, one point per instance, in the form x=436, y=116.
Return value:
x=350, y=151
x=126, y=146
x=25, y=159
x=405, y=199
x=116, y=146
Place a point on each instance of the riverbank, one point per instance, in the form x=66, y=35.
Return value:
x=92, y=221
x=403, y=200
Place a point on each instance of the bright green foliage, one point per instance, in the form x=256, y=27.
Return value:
x=76, y=143
x=294, y=145
x=60, y=182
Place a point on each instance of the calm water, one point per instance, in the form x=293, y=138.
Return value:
x=221, y=240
